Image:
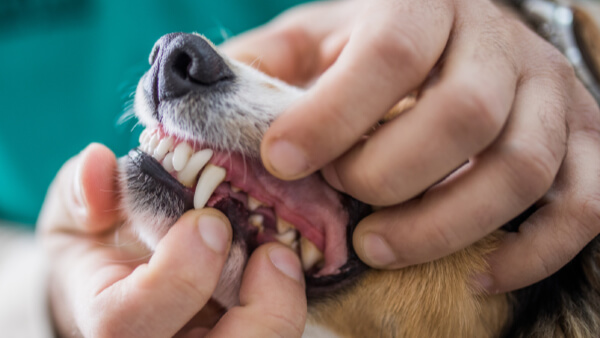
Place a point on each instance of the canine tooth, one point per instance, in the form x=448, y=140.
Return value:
x=163, y=148
x=209, y=180
x=309, y=254
x=168, y=162
x=181, y=155
x=284, y=226
x=254, y=204
x=187, y=176
x=288, y=238
x=235, y=189
x=257, y=221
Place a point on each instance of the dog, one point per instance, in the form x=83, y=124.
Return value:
x=205, y=115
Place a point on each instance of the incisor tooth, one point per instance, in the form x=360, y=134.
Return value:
x=181, y=155
x=209, y=180
x=253, y=203
x=153, y=142
x=144, y=137
x=288, y=238
x=309, y=254
x=235, y=189
x=168, y=162
x=257, y=221
x=284, y=226
x=163, y=148
x=187, y=176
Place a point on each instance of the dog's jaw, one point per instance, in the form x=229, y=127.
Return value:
x=230, y=118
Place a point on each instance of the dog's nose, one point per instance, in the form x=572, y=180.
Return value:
x=182, y=63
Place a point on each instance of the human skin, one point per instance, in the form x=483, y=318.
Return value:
x=103, y=282
x=493, y=95
x=500, y=97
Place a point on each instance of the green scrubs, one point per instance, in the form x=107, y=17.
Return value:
x=67, y=72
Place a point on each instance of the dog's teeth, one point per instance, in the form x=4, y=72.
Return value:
x=257, y=221
x=144, y=137
x=284, y=226
x=209, y=180
x=168, y=162
x=163, y=148
x=235, y=189
x=309, y=254
x=181, y=155
x=153, y=142
x=254, y=204
x=288, y=238
x=187, y=176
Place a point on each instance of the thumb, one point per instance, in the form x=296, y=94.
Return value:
x=83, y=196
x=157, y=299
x=287, y=53
x=272, y=297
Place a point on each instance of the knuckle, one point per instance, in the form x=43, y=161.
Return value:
x=396, y=49
x=186, y=286
x=544, y=263
x=476, y=117
x=531, y=168
x=555, y=66
x=292, y=35
x=585, y=208
x=445, y=238
x=376, y=187
x=284, y=326
x=559, y=64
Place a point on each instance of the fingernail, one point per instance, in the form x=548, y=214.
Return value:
x=287, y=159
x=214, y=233
x=287, y=262
x=377, y=250
x=484, y=281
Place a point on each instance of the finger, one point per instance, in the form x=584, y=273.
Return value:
x=504, y=181
x=455, y=119
x=388, y=55
x=289, y=47
x=158, y=298
x=553, y=235
x=272, y=297
x=83, y=197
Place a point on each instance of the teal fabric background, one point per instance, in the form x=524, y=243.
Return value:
x=68, y=68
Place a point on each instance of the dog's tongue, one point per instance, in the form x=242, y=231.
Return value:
x=309, y=203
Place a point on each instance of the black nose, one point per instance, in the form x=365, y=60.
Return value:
x=182, y=63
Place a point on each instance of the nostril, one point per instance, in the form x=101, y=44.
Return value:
x=181, y=65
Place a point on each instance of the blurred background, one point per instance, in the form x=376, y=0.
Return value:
x=67, y=72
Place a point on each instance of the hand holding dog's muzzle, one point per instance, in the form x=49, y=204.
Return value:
x=493, y=95
x=104, y=283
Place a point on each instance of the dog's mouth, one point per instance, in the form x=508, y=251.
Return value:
x=307, y=215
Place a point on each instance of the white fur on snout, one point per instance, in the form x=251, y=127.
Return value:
x=235, y=119
x=227, y=292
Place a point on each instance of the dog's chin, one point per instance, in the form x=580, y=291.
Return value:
x=154, y=199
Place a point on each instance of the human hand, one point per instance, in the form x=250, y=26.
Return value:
x=493, y=94
x=105, y=284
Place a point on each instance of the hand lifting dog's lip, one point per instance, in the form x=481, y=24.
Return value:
x=205, y=116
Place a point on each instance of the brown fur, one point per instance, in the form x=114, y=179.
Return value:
x=588, y=35
x=436, y=299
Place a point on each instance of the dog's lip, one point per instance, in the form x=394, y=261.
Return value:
x=309, y=203
x=312, y=206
